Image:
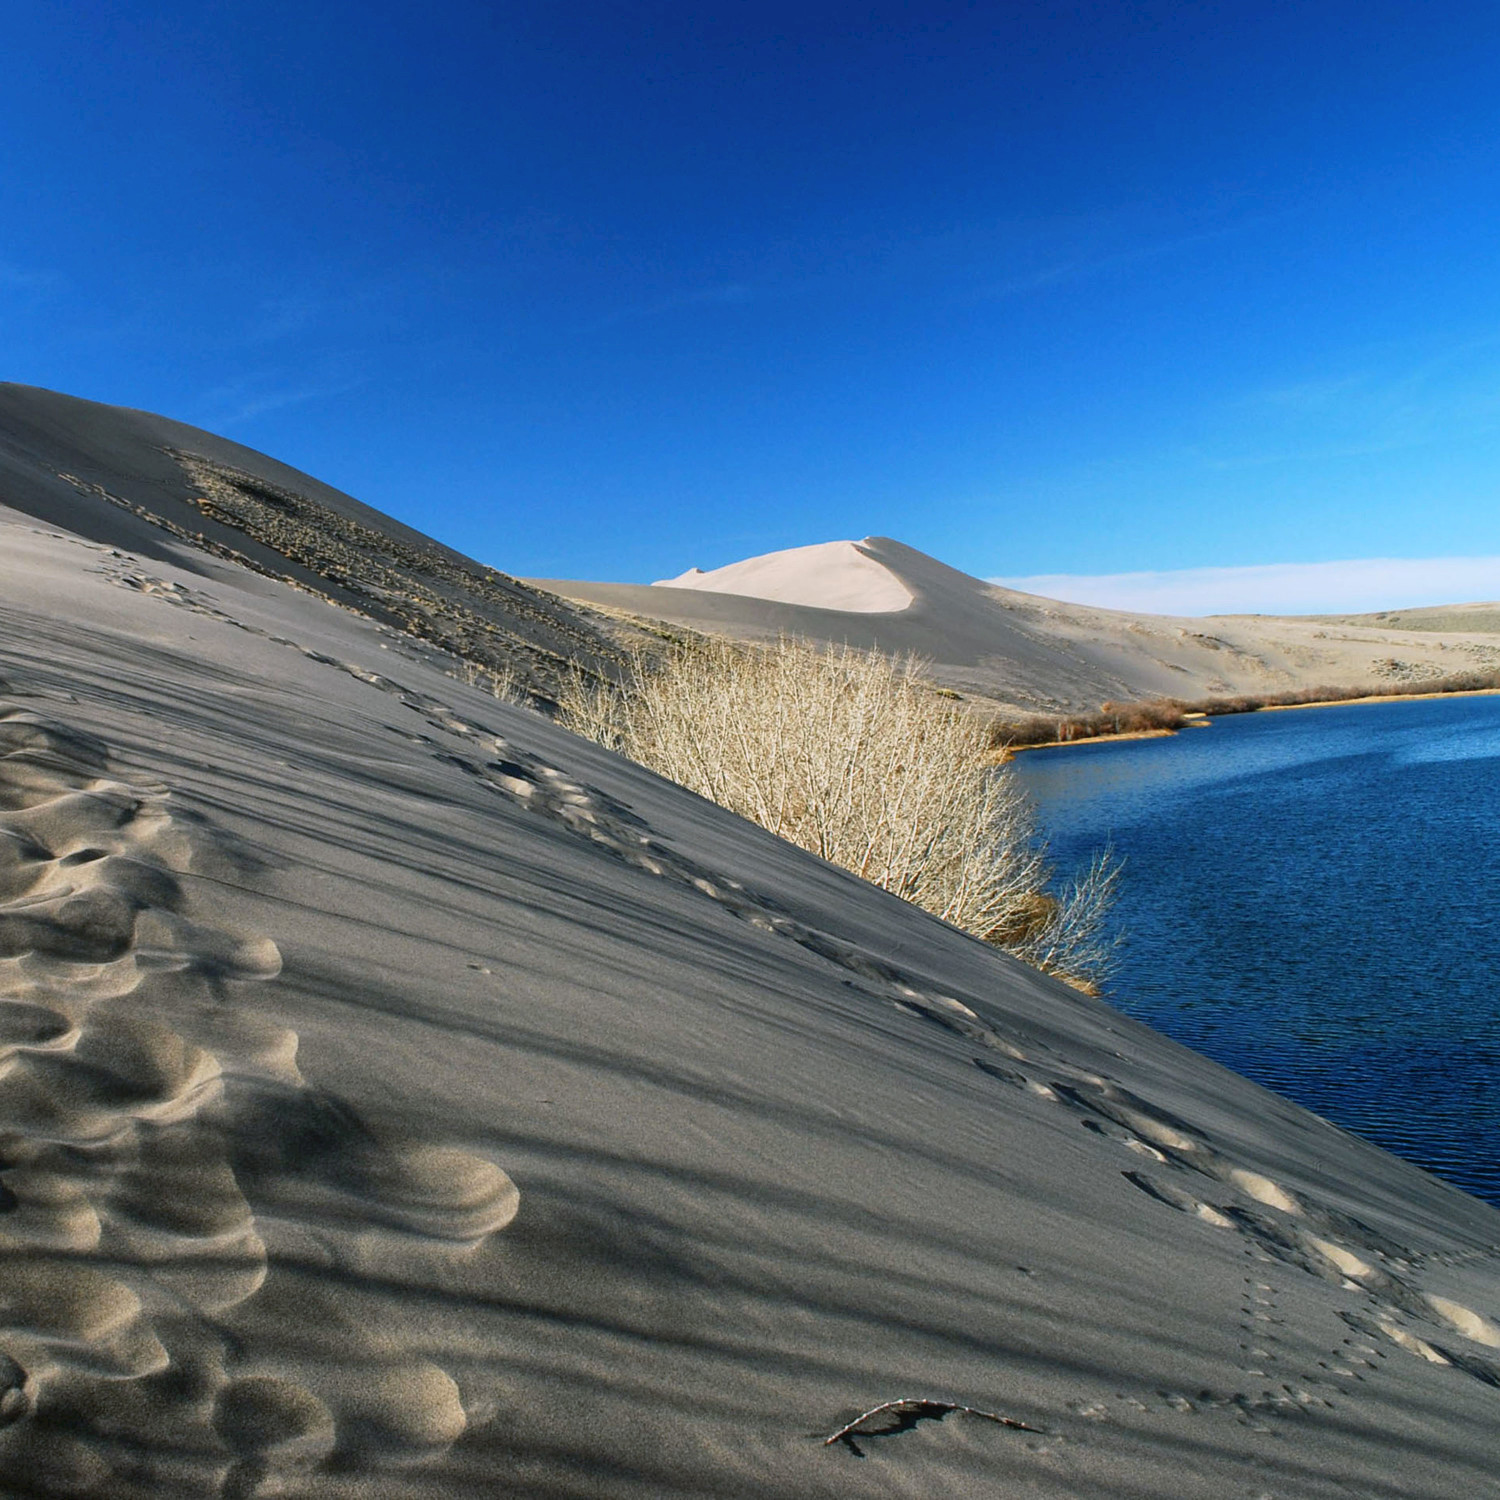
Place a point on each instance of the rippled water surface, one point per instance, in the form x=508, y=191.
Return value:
x=1313, y=899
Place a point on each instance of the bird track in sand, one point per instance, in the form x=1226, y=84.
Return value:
x=1280, y=1228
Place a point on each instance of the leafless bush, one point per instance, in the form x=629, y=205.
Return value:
x=851, y=756
x=499, y=682
x=1079, y=942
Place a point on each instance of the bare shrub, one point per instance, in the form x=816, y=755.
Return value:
x=851, y=756
x=499, y=682
x=1079, y=942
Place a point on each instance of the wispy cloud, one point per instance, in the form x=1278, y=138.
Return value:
x=240, y=401
x=1350, y=587
x=282, y=317
x=1312, y=397
x=1394, y=399
x=14, y=278
x=1096, y=262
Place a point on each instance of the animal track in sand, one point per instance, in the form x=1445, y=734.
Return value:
x=131, y=1232
x=527, y=781
x=1277, y=1225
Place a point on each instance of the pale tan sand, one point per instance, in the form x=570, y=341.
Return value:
x=1483, y=615
x=404, y=1099
x=1037, y=655
x=826, y=575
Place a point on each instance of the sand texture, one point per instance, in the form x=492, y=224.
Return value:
x=401, y=1098
x=1037, y=655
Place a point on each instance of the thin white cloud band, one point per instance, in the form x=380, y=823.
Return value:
x=1352, y=587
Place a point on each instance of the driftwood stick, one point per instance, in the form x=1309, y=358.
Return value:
x=915, y=1408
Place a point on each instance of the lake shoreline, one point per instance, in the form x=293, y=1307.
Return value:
x=1204, y=720
x=1290, y=910
x=1005, y=753
x=1378, y=698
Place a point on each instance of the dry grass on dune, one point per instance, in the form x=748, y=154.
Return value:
x=850, y=755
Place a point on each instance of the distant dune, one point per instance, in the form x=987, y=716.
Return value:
x=404, y=1099
x=1449, y=618
x=1033, y=654
x=828, y=575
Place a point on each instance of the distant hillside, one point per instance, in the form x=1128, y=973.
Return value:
x=1447, y=618
x=164, y=490
x=1027, y=653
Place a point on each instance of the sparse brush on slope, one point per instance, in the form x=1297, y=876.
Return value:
x=851, y=756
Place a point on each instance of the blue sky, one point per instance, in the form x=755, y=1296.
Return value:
x=606, y=290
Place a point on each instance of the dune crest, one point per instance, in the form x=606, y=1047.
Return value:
x=826, y=575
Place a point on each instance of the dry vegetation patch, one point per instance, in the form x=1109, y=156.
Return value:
x=1168, y=714
x=851, y=755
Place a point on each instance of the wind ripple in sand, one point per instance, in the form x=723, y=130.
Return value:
x=1278, y=1224
x=147, y=1123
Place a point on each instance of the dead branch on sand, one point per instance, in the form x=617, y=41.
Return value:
x=909, y=1410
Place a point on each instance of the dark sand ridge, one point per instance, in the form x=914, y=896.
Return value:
x=171, y=492
x=1037, y=654
x=407, y=1099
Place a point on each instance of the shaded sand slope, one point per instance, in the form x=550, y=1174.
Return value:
x=405, y=1099
x=1038, y=654
x=175, y=493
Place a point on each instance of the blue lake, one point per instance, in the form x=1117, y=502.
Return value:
x=1313, y=899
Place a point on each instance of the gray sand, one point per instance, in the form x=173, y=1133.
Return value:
x=403, y=1098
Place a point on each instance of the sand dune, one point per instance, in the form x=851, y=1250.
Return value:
x=1036, y=654
x=402, y=1098
x=168, y=492
x=827, y=575
x=1449, y=618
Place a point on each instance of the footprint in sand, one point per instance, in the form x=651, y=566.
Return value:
x=128, y=1213
x=275, y=1429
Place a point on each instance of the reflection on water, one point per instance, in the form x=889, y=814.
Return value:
x=1312, y=898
